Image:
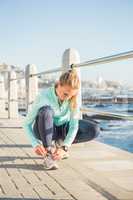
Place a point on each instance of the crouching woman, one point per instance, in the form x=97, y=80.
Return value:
x=53, y=123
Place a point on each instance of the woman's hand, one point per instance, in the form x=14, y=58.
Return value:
x=40, y=150
x=59, y=154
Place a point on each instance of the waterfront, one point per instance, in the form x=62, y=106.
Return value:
x=118, y=133
x=93, y=167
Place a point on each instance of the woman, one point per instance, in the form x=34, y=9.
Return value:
x=52, y=124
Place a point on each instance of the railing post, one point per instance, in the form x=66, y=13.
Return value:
x=71, y=56
x=12, y=95
x=2, y=97
x=31, y=85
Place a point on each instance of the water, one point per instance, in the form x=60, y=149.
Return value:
x=118, y=133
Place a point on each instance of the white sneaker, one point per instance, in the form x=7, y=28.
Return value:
x=65, y=156
x=49, y=163
x=59, y=143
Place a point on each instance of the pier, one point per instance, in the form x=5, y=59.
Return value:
x=94, y=171
x=108, y=100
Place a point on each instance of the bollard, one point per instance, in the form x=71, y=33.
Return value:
x=2, y=97
x=31, y=85
x=71, y=56
x=12, y=95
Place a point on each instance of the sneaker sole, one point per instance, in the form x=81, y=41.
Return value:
x=54, y=167
x=65, y=158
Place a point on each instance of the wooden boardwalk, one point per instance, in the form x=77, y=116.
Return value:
x=94, y=171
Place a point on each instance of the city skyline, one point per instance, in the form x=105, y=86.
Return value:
x=38, y=32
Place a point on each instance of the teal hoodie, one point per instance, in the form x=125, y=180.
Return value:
x=62, y=114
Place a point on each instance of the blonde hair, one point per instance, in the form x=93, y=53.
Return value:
x=71, y=79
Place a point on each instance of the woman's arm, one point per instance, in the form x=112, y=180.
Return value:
x=28, y=122
x=73, y=128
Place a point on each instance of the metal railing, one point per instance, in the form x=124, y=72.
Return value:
x=94, y=62
x=102, y=60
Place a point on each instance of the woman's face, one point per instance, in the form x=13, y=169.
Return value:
x=65, y=92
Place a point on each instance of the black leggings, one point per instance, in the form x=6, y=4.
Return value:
x=46, y=131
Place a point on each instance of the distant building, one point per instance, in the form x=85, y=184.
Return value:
x=101, y=83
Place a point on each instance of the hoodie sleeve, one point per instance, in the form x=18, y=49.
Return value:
x=28, y=122
x=73, y=128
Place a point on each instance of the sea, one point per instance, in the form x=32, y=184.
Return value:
x=118, y=133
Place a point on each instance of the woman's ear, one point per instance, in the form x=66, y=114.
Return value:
x=57, y=83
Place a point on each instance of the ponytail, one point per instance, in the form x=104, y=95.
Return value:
x=71, y=79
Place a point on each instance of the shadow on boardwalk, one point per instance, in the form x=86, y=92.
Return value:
x=28, y=199
x=34, y=167
x=15, y=145
x=93, y=171
x=13, y=158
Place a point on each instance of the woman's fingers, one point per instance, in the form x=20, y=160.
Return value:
x=37, y=151
x=58, y=154
x=40, y=150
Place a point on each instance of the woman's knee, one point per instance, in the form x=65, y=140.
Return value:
x=88, y=130
x=95, y=129
x=46, y=112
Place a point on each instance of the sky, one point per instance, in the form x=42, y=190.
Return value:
x=38, y=32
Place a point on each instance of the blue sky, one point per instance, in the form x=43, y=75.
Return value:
x=38, y=32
